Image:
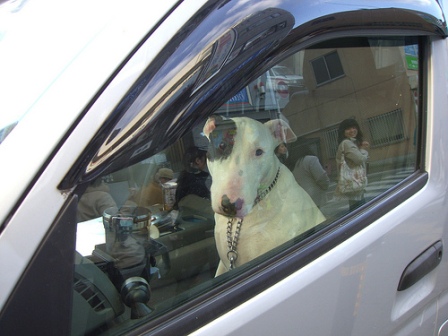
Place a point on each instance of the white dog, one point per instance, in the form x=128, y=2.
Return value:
x=257, y=202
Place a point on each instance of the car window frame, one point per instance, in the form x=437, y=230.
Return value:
x=283, y=262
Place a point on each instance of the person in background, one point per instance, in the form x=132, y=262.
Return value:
x=282, y=152
x=355, y=149
x=310, y=175
x=152, y=193
x=194, y=179
x=94, y=201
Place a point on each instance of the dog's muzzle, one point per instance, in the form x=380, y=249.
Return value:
x=229, y=208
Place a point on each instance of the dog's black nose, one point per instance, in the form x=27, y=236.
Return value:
x=230, y=208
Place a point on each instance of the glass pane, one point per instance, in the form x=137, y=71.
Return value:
x=262, y=173
x=377, y=96
x=334, y=65
x=320, y=70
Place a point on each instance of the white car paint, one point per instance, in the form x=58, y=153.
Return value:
x=61, y=102
x=354, y=268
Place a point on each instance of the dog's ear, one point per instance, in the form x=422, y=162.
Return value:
x=211, y=123
x=209, y=126
x=281, y=131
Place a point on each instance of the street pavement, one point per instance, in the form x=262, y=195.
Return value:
x=378, y=183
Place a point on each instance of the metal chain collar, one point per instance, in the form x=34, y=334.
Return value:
x=262, y=194
x=232, y=243
x=232, y=254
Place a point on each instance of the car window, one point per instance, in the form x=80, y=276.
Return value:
x=316, y=136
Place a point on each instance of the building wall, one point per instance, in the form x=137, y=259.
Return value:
x=375, y=82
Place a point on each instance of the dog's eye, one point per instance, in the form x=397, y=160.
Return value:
x=259, y=152
x=222, y=146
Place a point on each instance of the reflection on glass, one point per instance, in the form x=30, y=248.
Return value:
x=172, y=246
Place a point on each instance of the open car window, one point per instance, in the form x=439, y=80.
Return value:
x=259, y=175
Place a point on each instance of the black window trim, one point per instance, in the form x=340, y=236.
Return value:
x=42, y=297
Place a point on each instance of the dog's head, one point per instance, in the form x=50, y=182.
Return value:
x=241, y=160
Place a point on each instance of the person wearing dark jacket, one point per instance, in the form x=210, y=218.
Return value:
x=194, y=179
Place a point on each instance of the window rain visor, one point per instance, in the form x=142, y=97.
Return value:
x=211, y=58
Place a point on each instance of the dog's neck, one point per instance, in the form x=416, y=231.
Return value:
x=232, y=242
x=262, y=193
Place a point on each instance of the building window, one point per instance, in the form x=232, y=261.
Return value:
x=386, y=128
x=331, y=141
x=327, y=68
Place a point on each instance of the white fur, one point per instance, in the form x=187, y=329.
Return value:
x=285, y=212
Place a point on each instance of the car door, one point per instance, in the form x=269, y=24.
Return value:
x=371, y=263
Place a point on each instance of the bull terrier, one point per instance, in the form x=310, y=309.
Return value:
x=257, y=202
